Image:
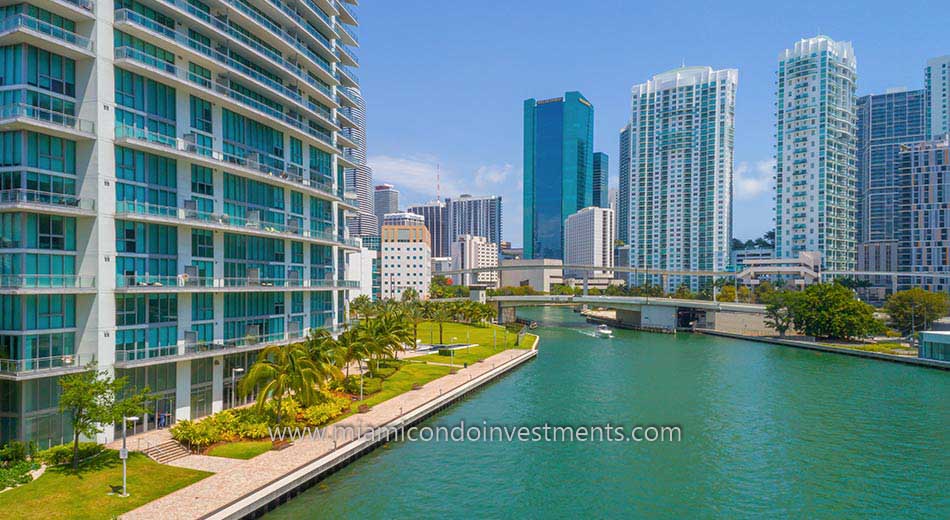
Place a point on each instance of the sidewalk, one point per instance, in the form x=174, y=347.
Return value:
x=239, y=479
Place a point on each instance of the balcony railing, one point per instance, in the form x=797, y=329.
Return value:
x=23, y=21
x=126, y=15
x=344, y=71
x=23, y=110
x=88, y=5
x=347, y=30
x=65, y=361
x=226, y=90
x=182, y=281
x=47, y=281
x=24, y=196
x=348, y=9
x=266, y=164
x=293, y=15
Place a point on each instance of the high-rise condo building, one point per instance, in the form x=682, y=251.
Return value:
x=473, y=252
x=385, y=200
x=924, y=235
x=601, y=172
x=937, y=85
x=358, y=180
x=680, y=176
x=436, y=220
x=478, y=215
x=558, y=169
x=623, y=187
x=886, y=123
x=816, y=171
x=588, y=240
x=172, y=196
x=406, y=260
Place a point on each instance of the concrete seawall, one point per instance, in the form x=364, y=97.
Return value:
x=279, y=491
x=834, y=350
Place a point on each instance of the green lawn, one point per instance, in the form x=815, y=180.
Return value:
x=881, y=348
x=240, y=450
x=400, y=383
x=464, y=333
x=461, y=356
x=59, y=493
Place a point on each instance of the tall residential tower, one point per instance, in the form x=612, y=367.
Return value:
x=682, y=128
x=558, y=169
x=816, y=171
x=385, y=200
x=173, y=196
x=937, y=84
x=600, y=179
x=359, y=179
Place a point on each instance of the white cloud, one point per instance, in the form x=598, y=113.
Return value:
x=491, y=174
x=752, y=182
x=415, y=176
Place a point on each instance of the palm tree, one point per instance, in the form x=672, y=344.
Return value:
x=385, y=335
x=409, y=295
x=440, y=313
x=281, y=370
x=361, y=306
x=352, y=347
x=415, y=313
x=326, y=354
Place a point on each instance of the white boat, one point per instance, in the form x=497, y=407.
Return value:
x=603, y=331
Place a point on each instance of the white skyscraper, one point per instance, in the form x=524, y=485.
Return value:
x=474, y=215
x=406, y=260
x=588, y=240
x=816, y=172
x=680, y=175
x=473, y=252
x=385, y=200
x=937, y=82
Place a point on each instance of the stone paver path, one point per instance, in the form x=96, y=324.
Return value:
x=206, y=463
x=243, y=477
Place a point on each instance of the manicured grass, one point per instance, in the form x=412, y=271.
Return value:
x=400, y=383
x=59, y=493
x=463, y=333
x=896, y=349
x=240, y=450
x=461, y=356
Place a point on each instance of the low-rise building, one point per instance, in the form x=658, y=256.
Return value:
x=473, y=252
x=406, y=260
x=741, y=256
x=539, y=274
x=795, y=272
x=934, y=345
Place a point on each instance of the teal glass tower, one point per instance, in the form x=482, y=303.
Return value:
x=558, y=169
x=601, y=173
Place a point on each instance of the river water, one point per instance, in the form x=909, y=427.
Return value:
x=766, y=431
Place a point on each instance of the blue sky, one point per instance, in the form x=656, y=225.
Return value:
x=444, y=81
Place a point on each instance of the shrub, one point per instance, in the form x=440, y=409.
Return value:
x=63, y=454
x=445, y=352
x=196, y=435
x=16, y=474
x=15, y=451
x=320, y=414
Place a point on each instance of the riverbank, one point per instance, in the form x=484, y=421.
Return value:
x=930, y=363
x=246, y=487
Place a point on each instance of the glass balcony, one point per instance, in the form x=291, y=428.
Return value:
x=347, y=12
x=47, y=281
x=351, y=33
x=24, y=111
x=23, y=196
x=225, y=90
x=65, y=361
x=128, y=16
x=22, y=21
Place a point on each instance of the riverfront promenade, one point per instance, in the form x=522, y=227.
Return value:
x=210, y=498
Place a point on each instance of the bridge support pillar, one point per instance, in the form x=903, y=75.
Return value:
x=893, y=283
x=586, y=275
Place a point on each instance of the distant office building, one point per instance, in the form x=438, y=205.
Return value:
x=680, y=176
x=558, y=169
x=441, y=264
x=924, y=235
x=934, y=345
x=601, y=172
x=741, y=257
x=886, y=122
x=539, y=274
x=622, y=259
x=588, y=240
x=937, y=85
x=359, y=179
x=512, y=253
x=793, y=272
x=436, y=221
x=474, y=215
x=472, y=252
x=385, y=200
x=406, y=260
x=623, y=189
x=403, y=218
x=815, y=154
x=373, y=243
x=360, y=267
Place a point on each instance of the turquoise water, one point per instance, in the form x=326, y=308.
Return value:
x=767, y=431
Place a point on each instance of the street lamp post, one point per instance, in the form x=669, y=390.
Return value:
x=234, y=372
x=124, y=454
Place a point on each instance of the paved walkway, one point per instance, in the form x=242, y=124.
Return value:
x=243, y=477
x=206, y=463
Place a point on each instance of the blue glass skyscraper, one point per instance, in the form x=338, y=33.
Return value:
x=600, y=177
x=558, y=169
